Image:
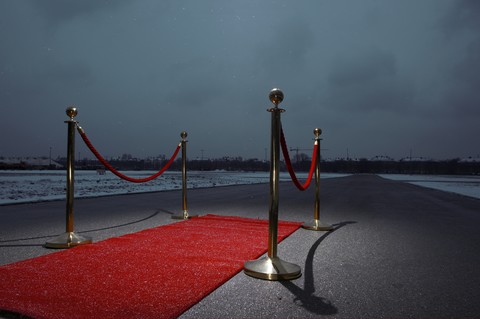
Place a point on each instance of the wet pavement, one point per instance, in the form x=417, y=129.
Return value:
x=397, y=250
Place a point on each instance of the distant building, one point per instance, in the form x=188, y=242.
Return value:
x=470, y=160
x=381, y=158
x=416, y=159
x=28, y=163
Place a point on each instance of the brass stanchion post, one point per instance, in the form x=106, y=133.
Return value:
x=316, y=224
x=272, y=267
x=69, y=238
x=184, y=214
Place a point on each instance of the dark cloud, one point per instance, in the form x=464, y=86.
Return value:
x=72, y=74
x=285, y=52
x=464, y=95
x=189, y=85
x=462, y=29
x=368, y=81
x=57, y=11
x=359, y=68
x=462, y=15
x=142, y=71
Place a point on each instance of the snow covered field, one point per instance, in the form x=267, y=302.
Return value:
x=32, y=186
x=465, y=185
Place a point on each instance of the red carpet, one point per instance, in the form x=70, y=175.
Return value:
x=156, y=273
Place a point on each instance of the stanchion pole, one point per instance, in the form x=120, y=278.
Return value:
x=69, y=238
x=184, y=214
x=316, y=224
x=272, y=267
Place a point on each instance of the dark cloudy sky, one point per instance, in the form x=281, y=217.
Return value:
x=380, y=77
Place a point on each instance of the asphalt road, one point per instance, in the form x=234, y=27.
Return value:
x=397, y=251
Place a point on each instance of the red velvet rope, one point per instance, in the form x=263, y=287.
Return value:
x=286, y=156
x=114, y=171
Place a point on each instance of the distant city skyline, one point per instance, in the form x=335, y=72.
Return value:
x=302, y=156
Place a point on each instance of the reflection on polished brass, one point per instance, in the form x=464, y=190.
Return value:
x=184, y=214
x=71, y=112
x=316, y=224
x=272, y=267
x=69, y=238
x=276, y=96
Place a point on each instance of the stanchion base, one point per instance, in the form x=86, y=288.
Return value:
x=68, y=240
x=184, y=215
x=318, y=226
x=272, y=269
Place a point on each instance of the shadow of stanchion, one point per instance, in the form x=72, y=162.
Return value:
x=4, y=314
x=84, y=231
x=21, y=245
x=306, y=296
x=165, y=211
x=125, y=224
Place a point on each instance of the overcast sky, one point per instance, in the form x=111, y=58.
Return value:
x=379, y=77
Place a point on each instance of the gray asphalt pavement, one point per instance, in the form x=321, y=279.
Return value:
x=397, y=251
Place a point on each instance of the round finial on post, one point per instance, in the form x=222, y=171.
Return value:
x=71, y=112
x=317, y=132
x=183, y=135
x=276, y=96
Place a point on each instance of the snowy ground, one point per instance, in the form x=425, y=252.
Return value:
x=465, y=185
x=32, y=186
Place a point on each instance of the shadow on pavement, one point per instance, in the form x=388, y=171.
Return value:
x=84, y=231
x=306, y=296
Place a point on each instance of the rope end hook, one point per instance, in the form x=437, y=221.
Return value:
x=317, y=132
